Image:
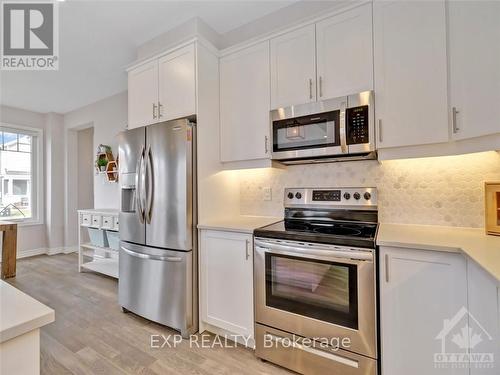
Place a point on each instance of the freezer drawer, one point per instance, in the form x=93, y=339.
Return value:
x=157, y=285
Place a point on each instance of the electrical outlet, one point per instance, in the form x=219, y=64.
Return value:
x=267, y=194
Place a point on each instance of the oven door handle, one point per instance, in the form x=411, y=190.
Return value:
x=358, y=255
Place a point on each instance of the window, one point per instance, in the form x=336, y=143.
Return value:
x=20, y=166
x=19, y=187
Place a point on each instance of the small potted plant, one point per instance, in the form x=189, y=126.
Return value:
x=102, y=163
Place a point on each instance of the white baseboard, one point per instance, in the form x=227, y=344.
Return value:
x=31, y=252
x=225, y=333
x=46, y=251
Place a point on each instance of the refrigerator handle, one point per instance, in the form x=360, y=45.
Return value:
x=138, y=186
x=150, y=191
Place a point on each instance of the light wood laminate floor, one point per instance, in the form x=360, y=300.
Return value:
x=91, y=335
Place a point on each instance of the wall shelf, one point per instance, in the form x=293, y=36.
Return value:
x=111, y=168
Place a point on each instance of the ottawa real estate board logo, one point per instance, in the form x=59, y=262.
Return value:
x=30, y=39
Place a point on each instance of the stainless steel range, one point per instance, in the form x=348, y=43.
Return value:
x=315, y=283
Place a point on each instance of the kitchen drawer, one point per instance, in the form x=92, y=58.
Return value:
x=85, y=219
x=116, y=225
x=96, y=221
x=107, y=222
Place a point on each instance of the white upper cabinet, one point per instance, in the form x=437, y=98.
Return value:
x=419, y=292
x=410, y=72
x=474, y=54
x=177, y=88
x=143, y=95
x=162, y=89
x=244, y=104
x=293, y=68
x=345, y=53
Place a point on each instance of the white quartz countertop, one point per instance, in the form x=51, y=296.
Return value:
x=20, y=313
x=483, y=249
x=243, y=224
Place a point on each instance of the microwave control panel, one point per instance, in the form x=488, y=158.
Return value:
x=357, y=125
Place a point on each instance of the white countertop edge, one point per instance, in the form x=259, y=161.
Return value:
x=241, y=224
x=477, y=250
x=100, y=211
x=27, y=326
x=420, y=246
x=44, y=315
x=225, y=229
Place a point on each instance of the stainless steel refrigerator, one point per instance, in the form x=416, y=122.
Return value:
x=158, y=247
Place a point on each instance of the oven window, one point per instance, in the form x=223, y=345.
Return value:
x=304, y=132
x=322, y=290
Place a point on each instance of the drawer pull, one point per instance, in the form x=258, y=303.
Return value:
x=330, y=356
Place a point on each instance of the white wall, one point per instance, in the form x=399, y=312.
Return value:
x=54, y=179
x=108, y=117
x=85, y=168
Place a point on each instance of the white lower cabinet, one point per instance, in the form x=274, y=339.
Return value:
x=226, y=281
x=484, y=320
x=421, y=295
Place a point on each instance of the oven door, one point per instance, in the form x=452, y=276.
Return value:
x=317, y=291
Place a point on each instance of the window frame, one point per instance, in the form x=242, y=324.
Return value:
x=37, y=179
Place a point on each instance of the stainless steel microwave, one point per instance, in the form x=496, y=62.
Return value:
x=330, y=130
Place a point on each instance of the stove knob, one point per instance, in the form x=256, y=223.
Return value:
x=290, y=195
x=367, y=196
x=347, y=196
x=357, y=196
x=298, y=195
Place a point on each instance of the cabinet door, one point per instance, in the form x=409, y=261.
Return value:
x=244, y=104
x=227, y=281
x=293, y=68
x=143, y=95
x=410, y=72
x=419, y=291
x=474, y=53
x=177, y=88
x=345, y=53
x=484, y=319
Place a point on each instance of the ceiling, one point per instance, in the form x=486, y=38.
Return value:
x=97, y=39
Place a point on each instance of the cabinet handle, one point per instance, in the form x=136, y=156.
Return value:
x=154, y=110
x=455, y=112
x=159, y=110
x=310, y=88
x=247, y=252
x=380, y=130
x=320, y=86
x=387, y=268
x=265, y=144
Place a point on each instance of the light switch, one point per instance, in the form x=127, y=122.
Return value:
x=267, y=194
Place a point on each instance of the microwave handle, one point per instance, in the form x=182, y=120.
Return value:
x=343, y=135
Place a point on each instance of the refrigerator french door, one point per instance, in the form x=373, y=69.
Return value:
x=158, y=255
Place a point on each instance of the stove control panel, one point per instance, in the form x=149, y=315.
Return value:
x=326, y=195
x=363, y=197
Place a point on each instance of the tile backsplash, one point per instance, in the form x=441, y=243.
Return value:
x=440, y=191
